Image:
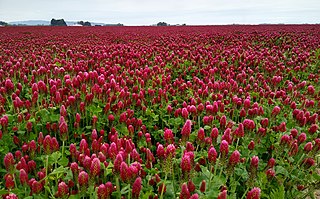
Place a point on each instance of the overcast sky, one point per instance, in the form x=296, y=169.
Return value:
x=147, y=12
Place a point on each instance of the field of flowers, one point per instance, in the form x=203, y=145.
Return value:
x=160, y=112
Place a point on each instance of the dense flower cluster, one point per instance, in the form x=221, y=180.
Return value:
x=149, y=112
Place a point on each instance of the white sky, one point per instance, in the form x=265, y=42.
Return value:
x=147, y=12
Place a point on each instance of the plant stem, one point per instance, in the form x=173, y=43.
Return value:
x=129, y=194
x=47, y=159
x=62, y=149
x=245, y=193
x=118, y=187
x=162, y=190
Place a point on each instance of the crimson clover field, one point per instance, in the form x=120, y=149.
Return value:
x=160, y=112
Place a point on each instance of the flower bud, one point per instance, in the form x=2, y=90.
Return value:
x=270, y=174
x=271, y=162
x=254, y=162
x=251, y=145
x=191, y=186
x=203, y=186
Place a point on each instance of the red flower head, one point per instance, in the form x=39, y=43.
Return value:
x=160, y=151
x=254, y=193
x=186, y=164
x=214, y=134
x=47, y=144
x=203, y=186
x=271, y=162
x=248, y=124
x=270, y=173
x=234, y=158
x=186, y=130
x=63, y=189
x=251, y=145
x=95, y=167
x=78, y=117
x=9, y=162
x=36, y=187
x=23, y=177
x=194, y=196
x=171, y=151
x=168, y=136
x=124, y=172
x=55, y=144
x=136, y=188
x=9, y=181
x=83, y=146
x=308, y=147
x=83, y=179
x=201, y=135
x=264, y=122
x=224, y=148
x=63, y=130
x=246, y=104
x=191, y=186
x=184, y=194
x=102, y=192
x=301, y=138
x=63, y=111
x=294, y=133
x=12, y=196
x=222, y=195
x=117, y=163
x=276, y=110
x=113, y=151
x=109, y=188
x=313, y=129
x=223, y=121
x=254, y=162
x=184, y=113
x=212, y=155
x=189, y=146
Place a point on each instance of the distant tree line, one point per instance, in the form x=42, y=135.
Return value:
x=166, y=24
x=162, y=24
x=58, y=22
x=87, y=23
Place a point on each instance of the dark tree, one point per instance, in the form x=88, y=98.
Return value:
x=162, y=24
x=87, y=23
x=2, y=23
x=58, y=22
x=80, y=22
